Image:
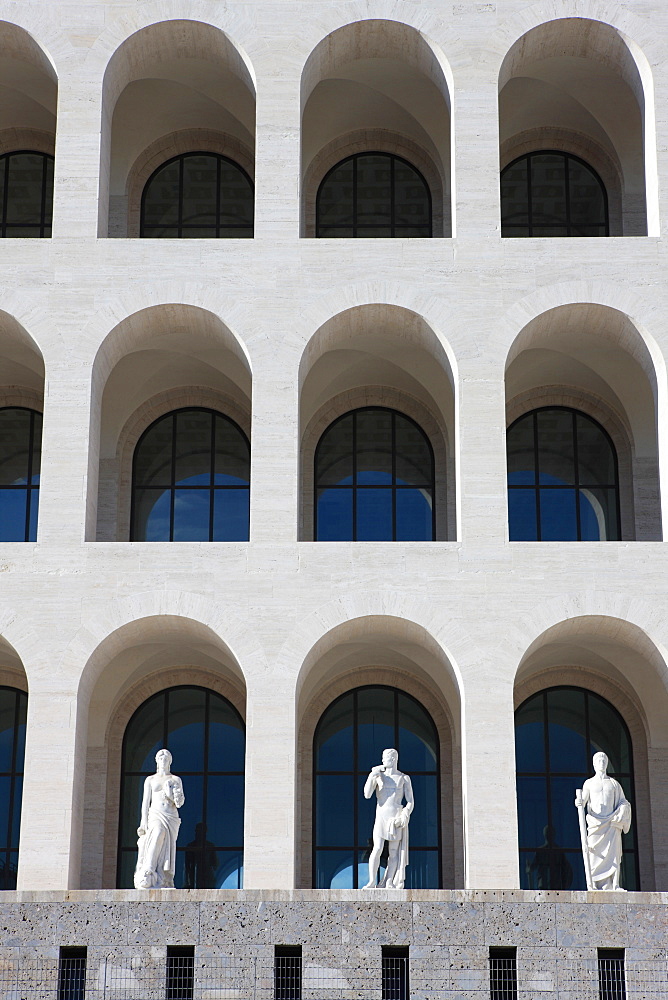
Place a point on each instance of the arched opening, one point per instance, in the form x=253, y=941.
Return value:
x=381, y=88
x=158, y=362
x=206, y=737
x=557, y=732
x=562, y=478
x=171, y=681
x=172, y=89
x=377, y=359
x=591, y=359
x=191, y=479
x=574, y=86
x=374, y=479
x=349, y=740
x=367, y=685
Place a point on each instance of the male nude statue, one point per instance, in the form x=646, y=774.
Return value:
x=608, y=815
x=390, y=786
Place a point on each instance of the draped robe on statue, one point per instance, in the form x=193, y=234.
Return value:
x=604, y=834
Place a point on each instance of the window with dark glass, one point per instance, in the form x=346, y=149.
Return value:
x=206, y=737
x=198, y=196
x=288, y=972
x=549, y=193
x=503, y=974
x=394, y=962
x=349, y=741
x=191, y=480
x=180, y=973
x=20, y=455
x=72, y=974
x=611, y=974
x=26, y=189
x=557, y=732
x=562, y=478
x=13, y=710
x=374, y=479
x=373, y=194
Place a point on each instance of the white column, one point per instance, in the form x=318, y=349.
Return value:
x=277, y=156
x=476, y=156
x=78, y=175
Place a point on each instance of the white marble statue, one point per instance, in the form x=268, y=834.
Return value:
x=391, y=825
x=601, y=803
x=159, y=826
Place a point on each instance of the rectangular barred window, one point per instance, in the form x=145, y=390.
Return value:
x=288, y=972
x=72, y=974
x=611, y=974
x=180, y=973
x=503, y=973
x=395, y=974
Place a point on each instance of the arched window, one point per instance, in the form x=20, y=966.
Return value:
x=191, y=479
x=349, y=740
x=20, y=454
x=13, y=709
x=206, y=737
x=557, y=732
x=373, y=194
x=26, y=188
x=549, y=193
x=374, y=479
x=198, y=196
x=562, y=478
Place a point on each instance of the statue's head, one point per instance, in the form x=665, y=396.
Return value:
x=390, y=758
x=165, y=757
x=600, y=762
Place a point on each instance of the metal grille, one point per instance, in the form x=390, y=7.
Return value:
x=288, y=973
x=611, y=977
x=72, y=974
x=395, y=974
x=180, y=979
x=502, y=974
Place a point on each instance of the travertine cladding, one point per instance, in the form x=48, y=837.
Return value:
x=449, y=934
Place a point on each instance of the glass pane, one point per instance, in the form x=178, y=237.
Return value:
x=127, y=868
x=227, y=743
x=413, y=457
x=628, y=872
x=36, y=448
x=335, y=515
x=374, y=189
x=374, y=515
x=598, y=515
x=236, y=197
x=131, y=800
x=192, y=452
x=7, y=730
x=558, y=521
x=374, y=447
x=334, y=458
x=192, y=511
x=521, y=453
x=3, y=169
x=160, y=232
x=144, y=735
x=366, y=817
x=334, y=740
x=33, y=500
x=548, y=190
x=417, y=737
x=199, y=233
x=230, y=871
x=231, y=513
x=5, y=791
x=21, y=731
x=532, y=810
x=151, y=515
x=596, y=463
x=225, y=810
x=200, y=186
x=530, y=736
x=414, y=516
x=564, y=814
x=608, y=734
x=422, y=872
x=566, y=731
x=9, y=866
x=153, y=455
x=587, y=202
x=24, y=191
x=335, y=199
x=423, y=824
x=549, y=866
x=48, y=195
x=555, y=447
x=522, y=526
x=334, y=869
x=192, y=811
x=411, y=199
x=185, y=734
x=375, y=716
x=13, y=515
x=514, y=196
x=232, y=455
x=14, y=446
x=334, y=814
x=16, y=812
x=161, y=198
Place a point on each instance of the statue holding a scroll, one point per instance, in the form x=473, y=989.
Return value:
x=391, y=825
x=159, y=826
x=604, y=815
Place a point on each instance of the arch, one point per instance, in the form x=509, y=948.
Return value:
x=132, y=663
x=28, y=91
x=570, y=77
x=392, y=652
x=181, y=66
x=156, y=360
x=379, y=355
x=592, y=357
x=618, y=661
x=402, y=86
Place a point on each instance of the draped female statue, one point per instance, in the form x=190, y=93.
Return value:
x=159, y=826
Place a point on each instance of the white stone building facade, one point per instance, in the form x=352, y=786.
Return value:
x=103, y=332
